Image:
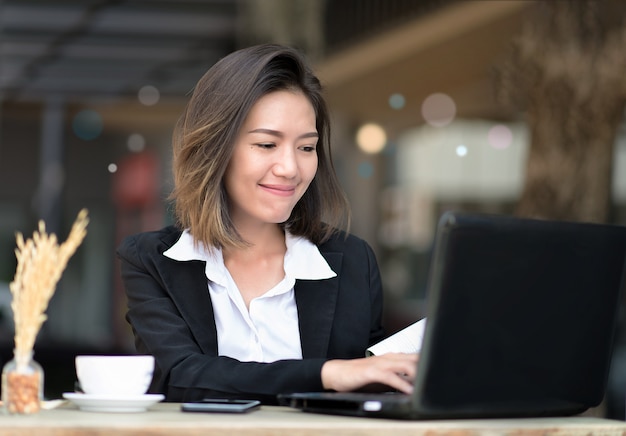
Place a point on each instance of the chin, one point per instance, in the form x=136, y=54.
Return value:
x=279, y=218
x=275, y=216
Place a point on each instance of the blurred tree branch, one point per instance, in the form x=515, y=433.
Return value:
x=567, y=71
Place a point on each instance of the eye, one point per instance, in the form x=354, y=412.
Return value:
x=308, y=148
x=266, y=145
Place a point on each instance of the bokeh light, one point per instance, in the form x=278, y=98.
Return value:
x=438, y=109
x=148, y=95
x=112, y=168
x=461, y=150
x=136, y=143
x=87, y=124
x=397, y=101
x=371, y=138
x=500, y=137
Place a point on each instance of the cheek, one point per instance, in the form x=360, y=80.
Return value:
x=311, y=174
x=310, y=169
x=307, y=179
x=232, y=182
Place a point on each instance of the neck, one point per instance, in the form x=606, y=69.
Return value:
x=264, y=240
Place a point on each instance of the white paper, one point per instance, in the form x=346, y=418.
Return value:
x=407, y=340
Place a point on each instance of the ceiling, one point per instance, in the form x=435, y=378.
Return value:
x=107, y=49
x=104, y=51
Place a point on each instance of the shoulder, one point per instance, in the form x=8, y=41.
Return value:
x=152, y=241
x=343, y=242
x=353, y=259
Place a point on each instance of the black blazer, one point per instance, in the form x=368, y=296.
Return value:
x=170, y=311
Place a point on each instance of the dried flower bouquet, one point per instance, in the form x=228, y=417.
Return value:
x=40, y=264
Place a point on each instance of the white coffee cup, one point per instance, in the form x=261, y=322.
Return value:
x=115, y=375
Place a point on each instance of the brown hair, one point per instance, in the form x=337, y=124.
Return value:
x=205, y=135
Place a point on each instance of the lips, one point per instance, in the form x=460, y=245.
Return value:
x=280, y=190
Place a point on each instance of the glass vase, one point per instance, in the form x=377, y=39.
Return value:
x=22, y=384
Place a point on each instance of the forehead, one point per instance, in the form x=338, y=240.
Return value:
x=283, y=106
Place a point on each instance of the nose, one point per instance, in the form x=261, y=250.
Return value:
x=286, y=164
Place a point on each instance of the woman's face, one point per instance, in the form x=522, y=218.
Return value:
x=274, y=159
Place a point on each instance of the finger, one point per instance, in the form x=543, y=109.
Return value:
x=396, y=371
x=404, y=364
x=398, y=382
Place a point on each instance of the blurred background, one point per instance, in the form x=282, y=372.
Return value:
x=512, y=107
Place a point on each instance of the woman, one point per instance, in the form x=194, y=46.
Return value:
x=256, y=292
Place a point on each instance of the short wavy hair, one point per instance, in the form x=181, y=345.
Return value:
x=205, y=135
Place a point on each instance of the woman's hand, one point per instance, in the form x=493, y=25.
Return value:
x=396, y=370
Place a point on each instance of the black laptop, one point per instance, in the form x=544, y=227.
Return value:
x=521, y=320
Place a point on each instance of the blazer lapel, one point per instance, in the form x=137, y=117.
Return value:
x=186, y=283
x=316, y=301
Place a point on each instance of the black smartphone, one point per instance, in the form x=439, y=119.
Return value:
x=218, y=405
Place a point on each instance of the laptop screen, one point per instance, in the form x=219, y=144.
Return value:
x=521, y=314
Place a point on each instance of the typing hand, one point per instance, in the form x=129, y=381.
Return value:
x=396, y=370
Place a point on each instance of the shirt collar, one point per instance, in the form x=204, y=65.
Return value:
x=303, y=260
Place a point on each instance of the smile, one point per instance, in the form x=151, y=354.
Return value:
x=280, y=190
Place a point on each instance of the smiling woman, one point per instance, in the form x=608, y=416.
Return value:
x=258, y=290
x=273, y=162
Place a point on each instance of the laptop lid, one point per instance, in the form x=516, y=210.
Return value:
x=521, y=320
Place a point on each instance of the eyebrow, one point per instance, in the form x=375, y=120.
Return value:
x=280, y=134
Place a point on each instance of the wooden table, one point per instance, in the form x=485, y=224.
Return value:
x=166, y=419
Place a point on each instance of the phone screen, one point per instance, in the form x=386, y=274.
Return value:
x=221, y=406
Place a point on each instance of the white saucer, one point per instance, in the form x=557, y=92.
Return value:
x=110, y=403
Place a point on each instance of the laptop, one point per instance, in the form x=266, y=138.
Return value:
x=520, y=323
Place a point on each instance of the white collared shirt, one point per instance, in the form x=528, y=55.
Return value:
x=269, y=330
